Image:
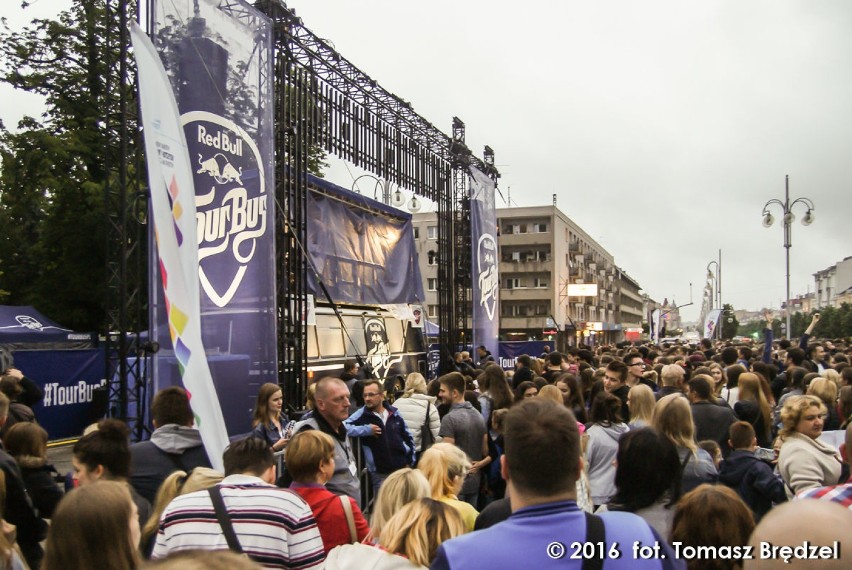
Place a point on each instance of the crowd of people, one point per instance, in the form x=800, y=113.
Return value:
x=614, y=456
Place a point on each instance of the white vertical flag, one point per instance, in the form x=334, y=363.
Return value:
x=173, y=206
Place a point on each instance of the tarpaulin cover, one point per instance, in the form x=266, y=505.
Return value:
x=363, y=250
x=25, y=327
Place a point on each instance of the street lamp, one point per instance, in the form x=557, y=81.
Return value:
x=789, y=218
x=716, y=277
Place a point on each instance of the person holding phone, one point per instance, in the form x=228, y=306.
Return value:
x=814, y=352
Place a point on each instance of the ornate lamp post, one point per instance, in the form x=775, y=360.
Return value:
x=789, y=218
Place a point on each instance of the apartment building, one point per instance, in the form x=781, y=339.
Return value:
x=556, y=282
x=833, y=285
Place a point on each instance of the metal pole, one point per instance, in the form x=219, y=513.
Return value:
x=719, y=280
x=787, y=244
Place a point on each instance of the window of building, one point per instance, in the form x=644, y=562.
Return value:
x=432, y=257
x=432, y=311
x=432, y=232
x=416, y=232
x=540, y=283
x=432, y=284
x=539, y=228
x=513, y=283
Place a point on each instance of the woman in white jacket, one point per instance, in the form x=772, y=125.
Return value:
x=804, y=461
x=413, y=406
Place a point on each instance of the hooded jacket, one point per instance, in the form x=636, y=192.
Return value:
x=171, y=448
x=600, y=454
x=753, y=480
x=39, y=479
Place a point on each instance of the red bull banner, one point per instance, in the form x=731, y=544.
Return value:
x=217, y=56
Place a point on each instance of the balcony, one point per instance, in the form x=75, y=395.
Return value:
x=525, y=267
x=526, y=294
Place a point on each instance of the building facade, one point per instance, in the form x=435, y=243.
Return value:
x=556, y=282
x=833, y=285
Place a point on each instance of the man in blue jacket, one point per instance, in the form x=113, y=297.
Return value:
x=541, y=464
x=388, y=443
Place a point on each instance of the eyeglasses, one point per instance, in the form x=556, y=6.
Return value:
x=371, y=395
x=637, y=364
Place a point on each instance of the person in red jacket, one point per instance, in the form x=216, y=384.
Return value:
x=310, y=462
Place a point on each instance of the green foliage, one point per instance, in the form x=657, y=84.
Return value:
x=52, y=170
x=730, y=324
x=835, y=322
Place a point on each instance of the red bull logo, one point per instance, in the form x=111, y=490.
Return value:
x=231, y=203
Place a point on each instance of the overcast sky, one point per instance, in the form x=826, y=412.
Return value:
x=662, y=126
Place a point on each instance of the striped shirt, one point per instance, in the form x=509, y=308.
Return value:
x=275, y=526
x=841, y=494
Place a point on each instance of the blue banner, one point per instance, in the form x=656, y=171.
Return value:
x=484, y=259
x=218, y=59
x=68, y=378
x=363, y=250
x=510, y=351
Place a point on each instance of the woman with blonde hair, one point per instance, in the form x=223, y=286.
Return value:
x=552, y=393
x=418, y=410
x=826, y=391
x=94, y=526
x=641, y=401
x=176, y=484
x=752, y=407
x=804, y=461
x=400, y=488
x=673, y=418
x=409, y=540
x=445, y=467
x=310, y=461
x=270, y=423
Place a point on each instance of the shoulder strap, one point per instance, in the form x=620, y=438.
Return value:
x=350, y=518
x=596, y=534
x=224, y=519
x=685, y=460
x=426, y=420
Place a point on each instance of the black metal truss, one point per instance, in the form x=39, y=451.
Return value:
x=324, y=102
x=126, y=210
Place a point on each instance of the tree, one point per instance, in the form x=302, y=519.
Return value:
x=729, y=321
x=53, y=169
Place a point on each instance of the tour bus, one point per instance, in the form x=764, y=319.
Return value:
x=390, y=345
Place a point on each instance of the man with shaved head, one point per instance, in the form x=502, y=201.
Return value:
x=332, y=407
x=803, y=534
